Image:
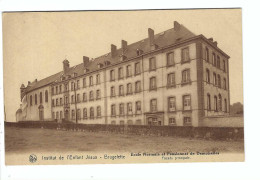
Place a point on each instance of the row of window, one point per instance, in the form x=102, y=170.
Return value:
x=40, y=98
x=216, y=80
x=215, y=60
x=218, y=104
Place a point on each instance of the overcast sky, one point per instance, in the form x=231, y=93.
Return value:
x=35, y=44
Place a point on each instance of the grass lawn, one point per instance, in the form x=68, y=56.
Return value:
x=26, y=140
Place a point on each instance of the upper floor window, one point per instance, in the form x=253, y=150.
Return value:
x=98, y=79
x=57, y=115
x=128, y=71
x=78, y=84
x=60, y=88
x=66, y=87
x=225, y=83
x=186, y=102
x=91, y=96
x=219, y=81
x=112, y=91
x=53, y=102
x=112, y=75
x=61, y=102
x=138, y=86
x=207, y=54
x=218, y=62
x=208, y=102
x=171, y=104
x=225, y=104
x=52, y=90
x=153, y=83
x=35, y=99
x=170, y=59
x=171, y=79
x=120, y=73
x=186, y=76
x=121, y=90
x=207, y=76
x=214, y=79
x=152, y=63
x=129, y=108
x=153, y=105
x=85, y=114
x=121, y=109
x=57, y=102
x=84, y=82
x=220, y=102
x=72, y=99
x=214, y=59
x=185, y=56
x=91, y=81
x=78, y=97
x=91, y=113
x=129, y=88
x=98, y=111
x=224, y=65
x=40, y=97
x=98, y=94
x=137, y=68
x=172, y=121
x=66, y=100
x=72, y=86
x=138, y=107
x=113, y=110
x=84, y=97
x=31, y=100
x=73, y=114
x=46, y=96
x=215, y=103
x=57, y=91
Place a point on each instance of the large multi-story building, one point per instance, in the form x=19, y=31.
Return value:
x=171, y=78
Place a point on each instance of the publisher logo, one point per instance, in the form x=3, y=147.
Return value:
x=32, y=158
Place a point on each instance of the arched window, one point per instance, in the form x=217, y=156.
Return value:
x=215, y=103
x=98, y=111
x=91, y=113
x=219, y=81
x=207, y=76
x=220, y=102
x=129, y=88
x=208, y=102
x=214, y=79
x=91, y=96
x=31, y=100
x=85, y=115
x=225, y=101
x=46, y=96
x=40, y=97
x=207, y=54
x=78, y=114
x=35, y=98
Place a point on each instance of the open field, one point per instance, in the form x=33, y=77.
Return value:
x=21, y=140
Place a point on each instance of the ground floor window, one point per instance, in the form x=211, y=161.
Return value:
x=172, y=121
x=187, y=121
x=122, y=122
x=130, y=122
x=138, y=122
x=113, y=122
x=153, y=121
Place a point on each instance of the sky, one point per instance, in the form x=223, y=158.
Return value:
x=35, y=44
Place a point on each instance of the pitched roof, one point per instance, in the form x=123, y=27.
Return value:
x=162, y=39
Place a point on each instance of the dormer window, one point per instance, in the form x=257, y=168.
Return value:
x=86, y=70
x=123, y=57
x=75, y=74
x=100, y=65
x=139, y=52
x=107, y=63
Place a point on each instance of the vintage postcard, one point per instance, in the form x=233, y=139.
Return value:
x=102, y=87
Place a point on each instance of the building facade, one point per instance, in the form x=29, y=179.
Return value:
x=171, y=78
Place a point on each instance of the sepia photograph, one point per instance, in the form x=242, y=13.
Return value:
x=118, y=87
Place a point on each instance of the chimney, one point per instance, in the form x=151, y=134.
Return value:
x=123, y=46
x=66, y=66
x=153, y=46
x=176, y=26
x=210, y=39
x=85, y=61
x=29, y=83
x=215, y=43
x=35, y=80
x=113, y=50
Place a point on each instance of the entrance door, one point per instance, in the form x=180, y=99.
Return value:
x=66, y=115
x=41, y=114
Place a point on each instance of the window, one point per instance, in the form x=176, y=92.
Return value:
x=215, y=103
x=172, y=121
x=61, y=102
x=207, y=54
x=66, y=87
x=153, y=106
x=31, y=100
x=121, y=90
x=170, y=59
x=225, y=104
x=220, y=102
x=214, y=79
x=186, y=102
x=225, y=83
x=153, y=83
x=57, y=115
x=171, y=80
x=138, y=86
x=171, y=104
x=78, y=114
x=219, y=81
x=85, y=114
x=46, y=96
x=98, y=79
x=52, y=90
x=61, y=116
x=207, y=76
x=120, y=73
x=138, y=122
x=186, y=76
x=152, y=63
x=78, y=97
x=72, y=86
x=66, y=100
x=35, y=99
x=122, y=122
x=91, y=113
x=98, y=111
x=72, y=98
x=129, y=109
x=57, y=102
x=129, y=122
x=213, y=59
x=40, y=97
x=98, y=94
x=185, y=57
x=208, y=102
x=112, y=91
x=91, y=81
x=91, y=96
x=218, y=62
x=53, y=115
x=137, y=68
x=128, y=71
x=84, y=82
x=53, y=102
x=121, y=109
x=113, y=122
x=138, y=107
x=57, y=90
x=129, y=88
x=60, y=87
x=224, y=65
x=73, y=114
x=187, y=121
x=84, y=97
x=112, y=75
x=113, y=110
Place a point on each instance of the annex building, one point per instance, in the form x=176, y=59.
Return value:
x=171, y=78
